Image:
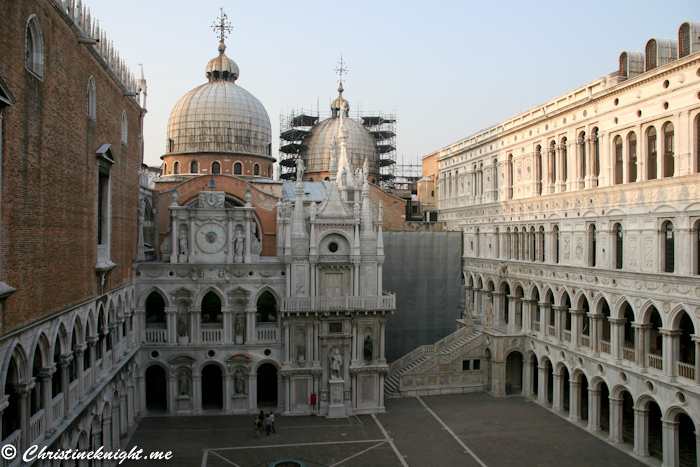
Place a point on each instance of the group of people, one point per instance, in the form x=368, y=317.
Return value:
x=268, y=421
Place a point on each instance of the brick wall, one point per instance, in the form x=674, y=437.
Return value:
x=49, y=178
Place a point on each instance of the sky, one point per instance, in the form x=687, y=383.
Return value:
x=446, y=68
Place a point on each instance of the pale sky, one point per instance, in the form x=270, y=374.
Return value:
x=448, y=69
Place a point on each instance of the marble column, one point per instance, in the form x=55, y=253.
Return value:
x=575, y=400
x=558, y=393
x=641, y=432
x=669, y=435
x=23, y=391
x=594, y=409
x=542, y=387
x=616, y=421
x=617, y=329
x=527, y=378
x=45, y=375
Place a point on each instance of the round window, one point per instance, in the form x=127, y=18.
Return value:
x=332, y=247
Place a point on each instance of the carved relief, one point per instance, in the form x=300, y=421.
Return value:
x=633, y=251
x=579, y=249
x=648, y=249
x=567, y=248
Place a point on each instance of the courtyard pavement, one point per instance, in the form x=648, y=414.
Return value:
x=471, y=430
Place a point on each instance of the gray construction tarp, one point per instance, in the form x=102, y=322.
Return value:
x=424, y=270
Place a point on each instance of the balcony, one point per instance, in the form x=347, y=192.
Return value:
x=686, y=370
x=605, y=346
x=156, y=336
x=628, y=354
x=36, y=427
x=212, y=335
x=586, y=341
x=386, y=302
x=266, y=333
x=656, y=362
x=13, y=439
x=57, y=407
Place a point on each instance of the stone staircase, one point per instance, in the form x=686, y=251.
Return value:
x=444, y=346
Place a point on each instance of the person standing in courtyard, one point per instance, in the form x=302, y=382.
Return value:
x=257, y=425
x=268, y=425
x=272, y=422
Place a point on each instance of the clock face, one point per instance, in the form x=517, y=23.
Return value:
x=211, y=237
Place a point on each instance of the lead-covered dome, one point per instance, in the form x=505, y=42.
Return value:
x=360, y=143
x=219, y=116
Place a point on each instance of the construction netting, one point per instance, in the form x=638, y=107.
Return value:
x=424, y=270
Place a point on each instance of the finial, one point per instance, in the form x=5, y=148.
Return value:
x=340, y=70
x=224, y=28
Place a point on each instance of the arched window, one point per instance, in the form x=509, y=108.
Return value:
x=668, y=150
x=215, y=168
x=509, y=188
x=92, y=99
x=552, y=162
x=555, y=237
x=237, y=168
x=668, y=247
x=211, y=309
x=516, y=244
x=596, y=152
x=582, y=162
x=155, y=310
x=651, y=153
x=650, y=54
x=563, y=159
x=194, y=167
x=176, y=168
x=542, y=245
x=632, y=157
x=34, y=47
x=256, y=169
x=477, y=250
x=165, y=169
x=125, y=128
x=619, y=246
x=618, y=160
x=591, y=245
x=684, y=40
x=269, y=172
x=538, y=170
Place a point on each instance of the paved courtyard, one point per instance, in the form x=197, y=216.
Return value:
x=468, y=430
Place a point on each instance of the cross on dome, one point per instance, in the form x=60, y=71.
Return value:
x=341, y=69
x=223, y=26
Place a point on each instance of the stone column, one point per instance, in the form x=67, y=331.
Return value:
x=316, y=344
x=575, y=400
x=79, y=352
x=45, y=375
x=195, y=324
x=617, y=329
x=498, y=309
x=580, y=145
x=594, y=320
x=542, y=387
x=251, y=331
x=123, y=416
x=576, y=326
x=174, y=237
x=228, y=392
x=616, y=421
x=639, y=349
x=382, y=341
x=671, y=346
x=171, y=316
x=23, y=390
x=95, y=443
x=558, y=393
x=91, y=342
x=107, y=432
x=64, y=364
x=197, y=393
x=669, y=434
x=560, y=186
x=527, y=378
x=558, y=322
x=550, y=170
x=141, y=385
x=696, y=341
x=528, y=313
x=253, y=393
x=498, y=379
x=641, y=432
x=594, y=409
x=545, y=308
x=511, y=313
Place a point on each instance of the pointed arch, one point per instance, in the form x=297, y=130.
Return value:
x=211, y=288
x=41, y=342
x=154, y=288
x=15, y=352
x=266, y=288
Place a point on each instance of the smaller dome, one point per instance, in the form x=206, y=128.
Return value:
x=337, y=104
x=222, y=67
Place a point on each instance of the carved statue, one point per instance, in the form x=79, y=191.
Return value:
x=365, y=170
x=183, y=242
x=357, y=212
x=239, y=379
x=312, y=208
x=182, y=325
x=369, y=348
x=253, y=229
x=184, y=383
x=336, y=361
x=489, y=313
x=358, y=178
x=300, y=169
x=380, y=216
x=238, y=243
x=239, y=325
x=343, y=175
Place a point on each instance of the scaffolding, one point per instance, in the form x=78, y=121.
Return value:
x=296, y=127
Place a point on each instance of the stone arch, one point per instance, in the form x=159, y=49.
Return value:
x=643, y=401
x=40, y=341
x=595, y=381
x=672, y=413
x=265, y=288
x=90, y=324
x=618, y=309
x=559, y=367
x=212, y=288
x=144, y=295
x=617, y=390
x=339, y=232
x=547, y=294
x=197, y=368
x=14, y=352
x=675, y=315
x=561, y=293
x=77, y=326
x=256, y=365
x=577, y=373
x=531, y=291
x=143, y=368
x=61, y=333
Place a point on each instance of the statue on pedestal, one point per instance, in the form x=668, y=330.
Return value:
x=184, y=383
x=369, y=348
x=239, y=379
x=238, y=243
x=182, y=325
x=183, y=242
x=336, y=363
